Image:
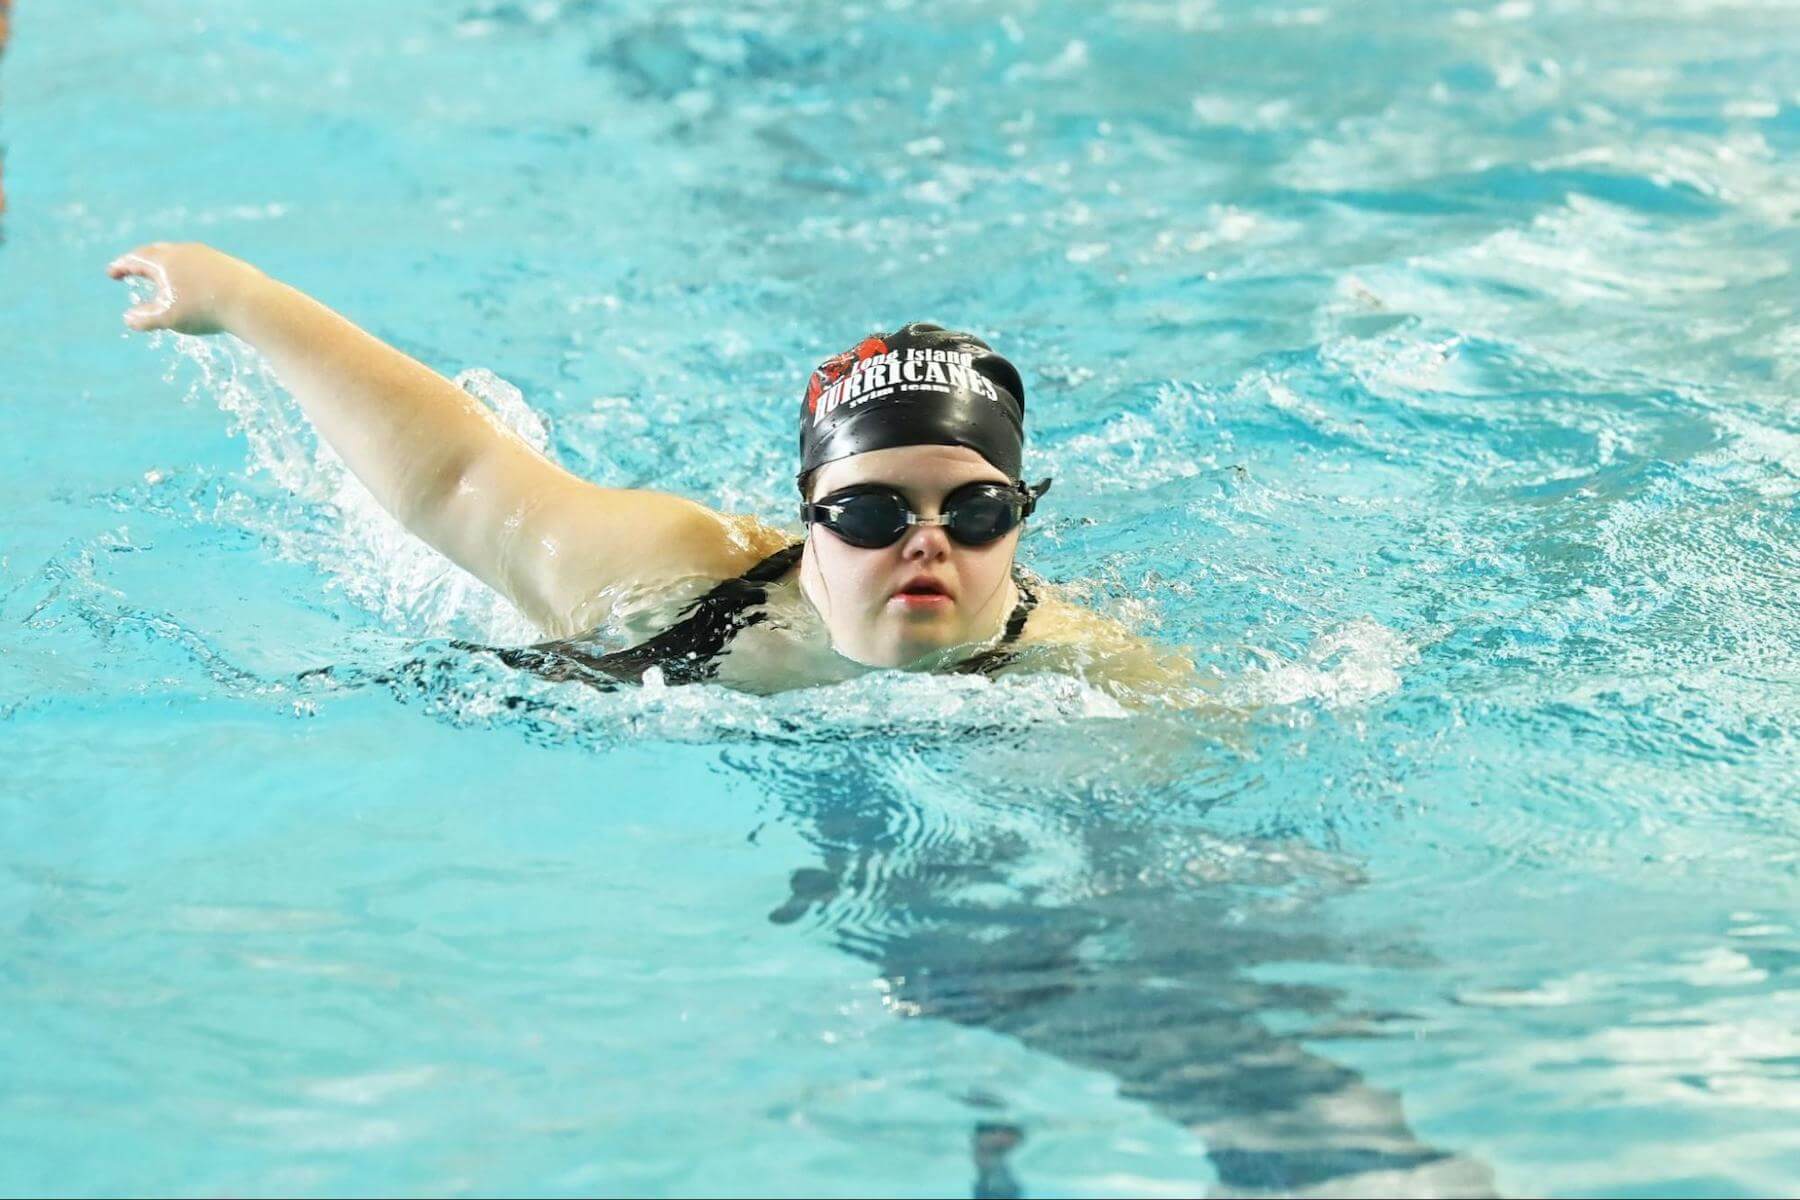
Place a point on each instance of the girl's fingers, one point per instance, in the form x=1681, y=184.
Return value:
x=144, y=316
x=136, y=262
x=127, y=264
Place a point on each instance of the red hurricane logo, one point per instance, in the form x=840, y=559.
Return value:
x=838, y=366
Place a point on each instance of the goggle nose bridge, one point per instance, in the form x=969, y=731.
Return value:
x=911, y=517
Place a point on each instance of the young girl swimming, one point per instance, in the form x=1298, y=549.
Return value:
x=912, y=500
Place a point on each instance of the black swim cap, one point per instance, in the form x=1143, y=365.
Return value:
x=921, y=385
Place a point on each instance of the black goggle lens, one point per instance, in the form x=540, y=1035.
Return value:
x=983, y=516
x=868, y=519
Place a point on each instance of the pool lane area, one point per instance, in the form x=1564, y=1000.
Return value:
x=1426, y=372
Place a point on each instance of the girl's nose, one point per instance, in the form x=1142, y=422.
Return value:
x=925, y=542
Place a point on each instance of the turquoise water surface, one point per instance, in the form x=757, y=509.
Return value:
x=1427, y=370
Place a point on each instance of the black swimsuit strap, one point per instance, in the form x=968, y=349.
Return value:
x=688, y=651
x=991, y=660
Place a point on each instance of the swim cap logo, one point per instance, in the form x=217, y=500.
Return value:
x=839, y=365
x=872, y=371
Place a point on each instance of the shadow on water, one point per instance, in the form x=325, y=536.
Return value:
x=1060, y=883
x=1103, y=928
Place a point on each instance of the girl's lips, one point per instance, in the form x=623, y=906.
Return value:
x=922, y=594
x=921, y=599
x=922, y=583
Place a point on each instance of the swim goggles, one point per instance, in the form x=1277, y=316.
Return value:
x=872, y=516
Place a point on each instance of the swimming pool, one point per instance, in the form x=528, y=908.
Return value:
x=1427, y=369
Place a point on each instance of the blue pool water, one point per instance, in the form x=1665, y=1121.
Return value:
x=1428, y=370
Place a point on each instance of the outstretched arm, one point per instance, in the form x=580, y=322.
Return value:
x=439, y=460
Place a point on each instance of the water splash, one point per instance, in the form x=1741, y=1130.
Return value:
x=1350, y=665
x=321, y=515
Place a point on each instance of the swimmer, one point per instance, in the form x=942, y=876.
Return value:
x=913, y=503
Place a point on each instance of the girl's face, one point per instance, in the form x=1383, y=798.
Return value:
x=858, y=592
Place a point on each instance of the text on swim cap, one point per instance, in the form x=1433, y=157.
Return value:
x=919, y=370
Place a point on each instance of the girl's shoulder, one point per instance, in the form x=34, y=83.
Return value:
x=1066, y=634
x=645, y=603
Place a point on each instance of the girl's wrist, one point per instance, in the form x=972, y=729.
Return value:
x=243, y=297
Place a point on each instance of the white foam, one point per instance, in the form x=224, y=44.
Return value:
x=1352, y=664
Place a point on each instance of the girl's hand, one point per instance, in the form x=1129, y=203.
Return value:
x=197, y=287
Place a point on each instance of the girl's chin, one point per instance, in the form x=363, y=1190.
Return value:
x=910, y=653
x=929, y=654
